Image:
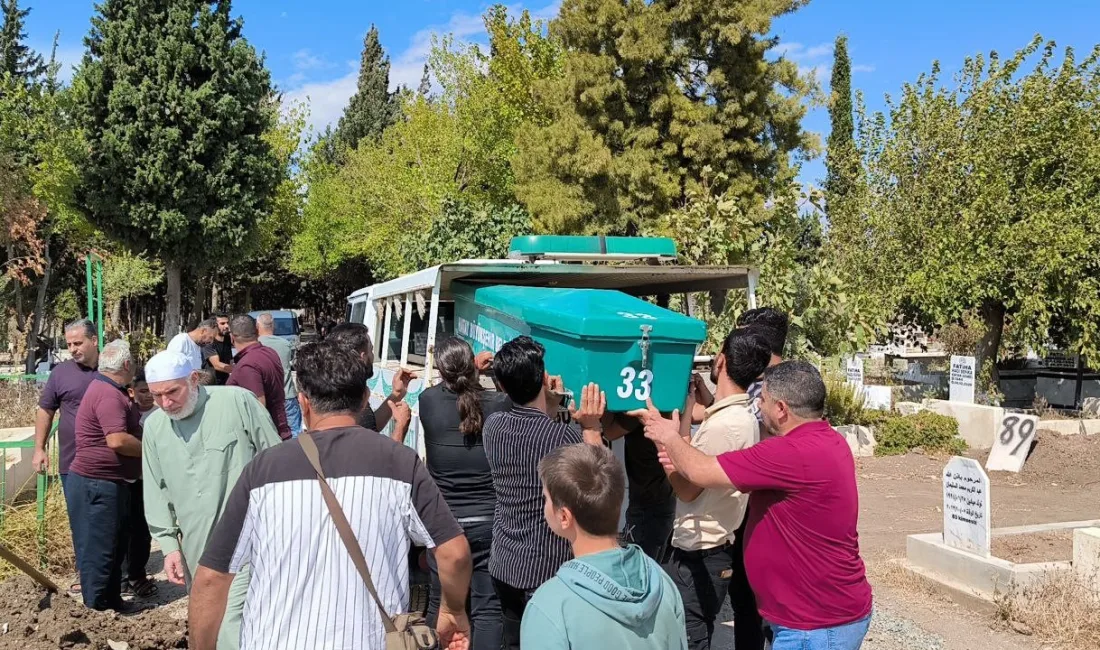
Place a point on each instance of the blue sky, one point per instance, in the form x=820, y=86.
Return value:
x=313, y=47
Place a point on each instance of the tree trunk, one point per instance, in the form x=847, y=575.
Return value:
x=247, y=298
x=39, y=318
x=993, y=316
x=116, y=314
x=215, y=305
x=200, y=297
x=20, y=316
x=172, y=317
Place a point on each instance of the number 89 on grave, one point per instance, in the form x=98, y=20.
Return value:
x=1012, y=443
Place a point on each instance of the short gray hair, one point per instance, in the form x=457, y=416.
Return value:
x=115, y=356
x=86, y=325
x=243, y=328
x=799, y=385
x=266, y=321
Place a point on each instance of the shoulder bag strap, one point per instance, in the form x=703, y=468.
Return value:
x=343, y=527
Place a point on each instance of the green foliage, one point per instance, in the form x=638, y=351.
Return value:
x=842, y=157
x=651, y=95
x=373, y=107
x=982, y=196
x=65, y=308
x=385, y=197
x=463, y=231
x=962, y=337
x=16, y=58
x=178, y=168
x=843, y=402
x=931, y=432
x=127, y=276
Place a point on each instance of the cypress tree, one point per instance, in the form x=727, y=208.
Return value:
x=425, y=83
x=175, y=103
x=16, y=58
x=841, y=158
x=372, y=108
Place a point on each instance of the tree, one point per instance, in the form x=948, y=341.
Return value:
x=127, y=276
x=457, y=145
x=653, y=93
x=983, y=196
x=178, y=169
x=39, y=143
x=425, y=86
x=16, y=58
x=841, y=158
x=372, y=108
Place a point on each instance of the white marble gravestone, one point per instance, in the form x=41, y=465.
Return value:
x=966, y=506
x=854, y=371
x=962, y=379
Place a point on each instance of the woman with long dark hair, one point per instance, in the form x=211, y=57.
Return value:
x=451, y=415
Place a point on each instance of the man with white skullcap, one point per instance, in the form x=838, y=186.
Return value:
x=193, y=450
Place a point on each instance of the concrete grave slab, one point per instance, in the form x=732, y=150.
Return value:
x=978, y=424
x=1086, y=556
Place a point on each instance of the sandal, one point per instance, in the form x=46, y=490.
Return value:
x=144, y=588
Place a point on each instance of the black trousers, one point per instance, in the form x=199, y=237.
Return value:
x=649, y=526
x=513, y=602
x=748, y=626
x=139, y=541
x=703, y=579
x=483, y=605
x=100, y=515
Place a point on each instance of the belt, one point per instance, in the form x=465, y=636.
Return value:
x=704, y=552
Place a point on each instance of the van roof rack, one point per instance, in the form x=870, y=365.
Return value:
x=567, y=248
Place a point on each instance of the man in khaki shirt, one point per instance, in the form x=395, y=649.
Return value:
x=701, y=560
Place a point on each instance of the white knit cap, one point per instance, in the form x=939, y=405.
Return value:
x=167, y=366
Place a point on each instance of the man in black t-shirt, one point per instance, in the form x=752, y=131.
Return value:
x=651, y=503
x=217, y=358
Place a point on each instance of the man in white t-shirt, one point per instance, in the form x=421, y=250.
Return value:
x=190, y=344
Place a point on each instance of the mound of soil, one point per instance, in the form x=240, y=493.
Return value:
x=1065, y=460
x=32, y=619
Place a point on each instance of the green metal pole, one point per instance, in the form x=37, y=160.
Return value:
x=43, y=484
x=88, y=284
x=99, y=299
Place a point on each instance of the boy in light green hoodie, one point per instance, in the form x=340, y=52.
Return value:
x=608, y=596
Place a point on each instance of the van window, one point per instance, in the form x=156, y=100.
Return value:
x=418, y=332
x=286, y=326
x=358, y=312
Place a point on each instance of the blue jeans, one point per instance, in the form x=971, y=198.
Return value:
x=842, y=637
x=294, y=416
x=101, y=516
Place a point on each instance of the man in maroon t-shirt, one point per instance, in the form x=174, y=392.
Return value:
x=258, y=369
x=107, y=463
x=801, y=544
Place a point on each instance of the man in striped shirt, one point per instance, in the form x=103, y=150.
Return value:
x=305, y=592
x=525, y=552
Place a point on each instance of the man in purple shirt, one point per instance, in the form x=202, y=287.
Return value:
x=106, y=465
x=258, y=369
x=801, y=543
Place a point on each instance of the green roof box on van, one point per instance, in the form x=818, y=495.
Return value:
x=631, y=348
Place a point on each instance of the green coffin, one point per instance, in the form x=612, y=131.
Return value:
x=633, y=349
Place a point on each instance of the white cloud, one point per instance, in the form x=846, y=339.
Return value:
x=282, y=15
x=861, y=67
x=304, y=59
x=799, y=52
x=327, y=99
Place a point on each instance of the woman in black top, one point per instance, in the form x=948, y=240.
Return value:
x=451, y=415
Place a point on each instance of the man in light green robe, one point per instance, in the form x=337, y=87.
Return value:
x=193, y=450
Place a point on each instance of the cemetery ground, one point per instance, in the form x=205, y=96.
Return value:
x=903, y=495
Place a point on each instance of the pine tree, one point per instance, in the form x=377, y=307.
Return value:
x=178, y=169
x=16, y=58
x=425, y=83
x=653, y=94
x=841, y=158
x=372, y=108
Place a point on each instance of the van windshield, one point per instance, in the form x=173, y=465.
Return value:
x=286, y=327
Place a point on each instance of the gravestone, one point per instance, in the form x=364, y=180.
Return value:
x=962, y=379
x=1012, y=442
x=966, y=506
x=854, y=371
x=878, y=397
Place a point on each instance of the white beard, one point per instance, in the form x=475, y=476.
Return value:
x=188, y=409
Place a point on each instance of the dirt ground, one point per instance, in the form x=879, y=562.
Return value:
x=902, y=495
x=32, y=619
x=1034, y=547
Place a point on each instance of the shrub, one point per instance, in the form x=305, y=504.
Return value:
x=930, y=431
x=843, y=402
